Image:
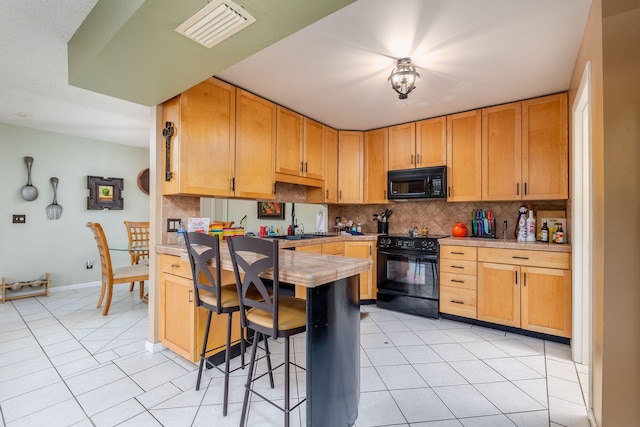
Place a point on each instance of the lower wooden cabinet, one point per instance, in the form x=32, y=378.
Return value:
x=458, y=285
x=364, y=250
x=181, y=323
x=525, y=289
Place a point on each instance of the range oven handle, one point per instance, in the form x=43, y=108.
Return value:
x=408, y=254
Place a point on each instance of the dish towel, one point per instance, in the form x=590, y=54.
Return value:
x=320, y=222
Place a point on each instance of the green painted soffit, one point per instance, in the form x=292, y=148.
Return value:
x=128, y=49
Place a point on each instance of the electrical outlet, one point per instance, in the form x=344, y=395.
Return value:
x=19, y=219
x=173, y=224
x=89, y=264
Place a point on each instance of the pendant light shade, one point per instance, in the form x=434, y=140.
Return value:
x=404, y=77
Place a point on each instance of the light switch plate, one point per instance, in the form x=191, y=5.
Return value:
x=173, y=224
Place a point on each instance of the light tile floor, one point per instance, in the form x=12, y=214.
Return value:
x=64, y=364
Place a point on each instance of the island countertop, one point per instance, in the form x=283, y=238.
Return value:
x=301, y=268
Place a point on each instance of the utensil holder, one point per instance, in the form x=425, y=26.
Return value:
x=383, y=227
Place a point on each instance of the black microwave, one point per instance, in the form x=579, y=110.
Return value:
x=423, y=183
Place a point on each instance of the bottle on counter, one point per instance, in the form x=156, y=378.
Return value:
x=552, y=232
x=544, y=233
x=521, y=230
x=531, y=228
x=181, y=240
x=559, y=234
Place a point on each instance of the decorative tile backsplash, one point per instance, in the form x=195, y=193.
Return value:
x=438, y=216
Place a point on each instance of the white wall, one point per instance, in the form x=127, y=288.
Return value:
x=62, y=246
x=306, y=214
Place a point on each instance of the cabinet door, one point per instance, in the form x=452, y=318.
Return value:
x=545, y=152
x=402, y=146
x=350, y=166
x=330, y=165
x=431, y=142
x=176, y=315
x=202, y=155
x=546, y=300
x=499, y=293
x=464, y=156
x=255, y=147
x=502, y=152
x=376, y=147
x=289, y=146
x=362, y=250
x=313, y=149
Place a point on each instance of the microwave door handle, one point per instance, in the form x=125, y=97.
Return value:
x=428, y=185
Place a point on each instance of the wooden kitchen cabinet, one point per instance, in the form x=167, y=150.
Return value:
x=464, y=156
x=364, y=250
x=545, y=148
x=502, y=152
x=255, y=147
x=181, y=324
x=300, y=147
x=376, y=147
x=402, y=146
x=525, y=289
x=328, y=193
x=350, y=166
x=431, y=142
x=201, y=158
x=458, y=283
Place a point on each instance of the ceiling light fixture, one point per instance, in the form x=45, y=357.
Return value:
x=404, y=77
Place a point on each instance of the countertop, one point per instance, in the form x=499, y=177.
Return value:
x=504, y=244
x=300, y=268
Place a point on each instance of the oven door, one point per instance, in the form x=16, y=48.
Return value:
x=408, y=273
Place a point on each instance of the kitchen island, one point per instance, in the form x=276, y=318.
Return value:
x=333, y=323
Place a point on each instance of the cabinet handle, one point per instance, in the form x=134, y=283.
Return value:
x=233, y=184
x=385, y=194
x=417, y=159
x=327, y=197
x=175, y=265
x=340, y=194
x=457, y=281
x=370, y=251
x=301, y=166
x=517, y=188
x=190, y=295
x=525, y=188
x=457, y=253
x=449, y=189
x=306, y=167
x=168, y=132
x=274, y=187
x=516, y=277
x=525, y=279
x=519, y=257
x=411, y=159
x=457, y=302
x=457, y=266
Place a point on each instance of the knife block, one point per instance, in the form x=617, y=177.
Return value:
x=492, y=225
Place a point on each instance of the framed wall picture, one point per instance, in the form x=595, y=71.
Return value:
x=270, y=210
x=105, y=193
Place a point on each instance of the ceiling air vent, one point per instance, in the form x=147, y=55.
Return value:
x=215, y=22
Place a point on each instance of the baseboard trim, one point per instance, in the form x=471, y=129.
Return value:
x=154, y=347
x=76, y=286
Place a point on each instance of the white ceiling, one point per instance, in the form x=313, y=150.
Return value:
x=470, y=54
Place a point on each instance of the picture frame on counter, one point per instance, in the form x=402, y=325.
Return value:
x=270, y=210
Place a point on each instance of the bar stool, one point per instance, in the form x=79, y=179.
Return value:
x=271, y=316
x=212, y=295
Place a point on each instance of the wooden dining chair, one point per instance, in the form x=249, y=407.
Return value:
x=113, y=276
x=138, y=233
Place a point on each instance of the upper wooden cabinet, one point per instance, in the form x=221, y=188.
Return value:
x=328, y=193
x=376, y=147
x=431, y=142
x=525, y=150
x=289, y=151
x=464, y=156
x=402, y=146
x=255, y=146
x=300, y=146
x=201, y=158
x=545, y=148
x=502, y=152
x=350, y=166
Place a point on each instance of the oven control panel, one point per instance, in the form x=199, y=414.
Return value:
x=408, y=244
